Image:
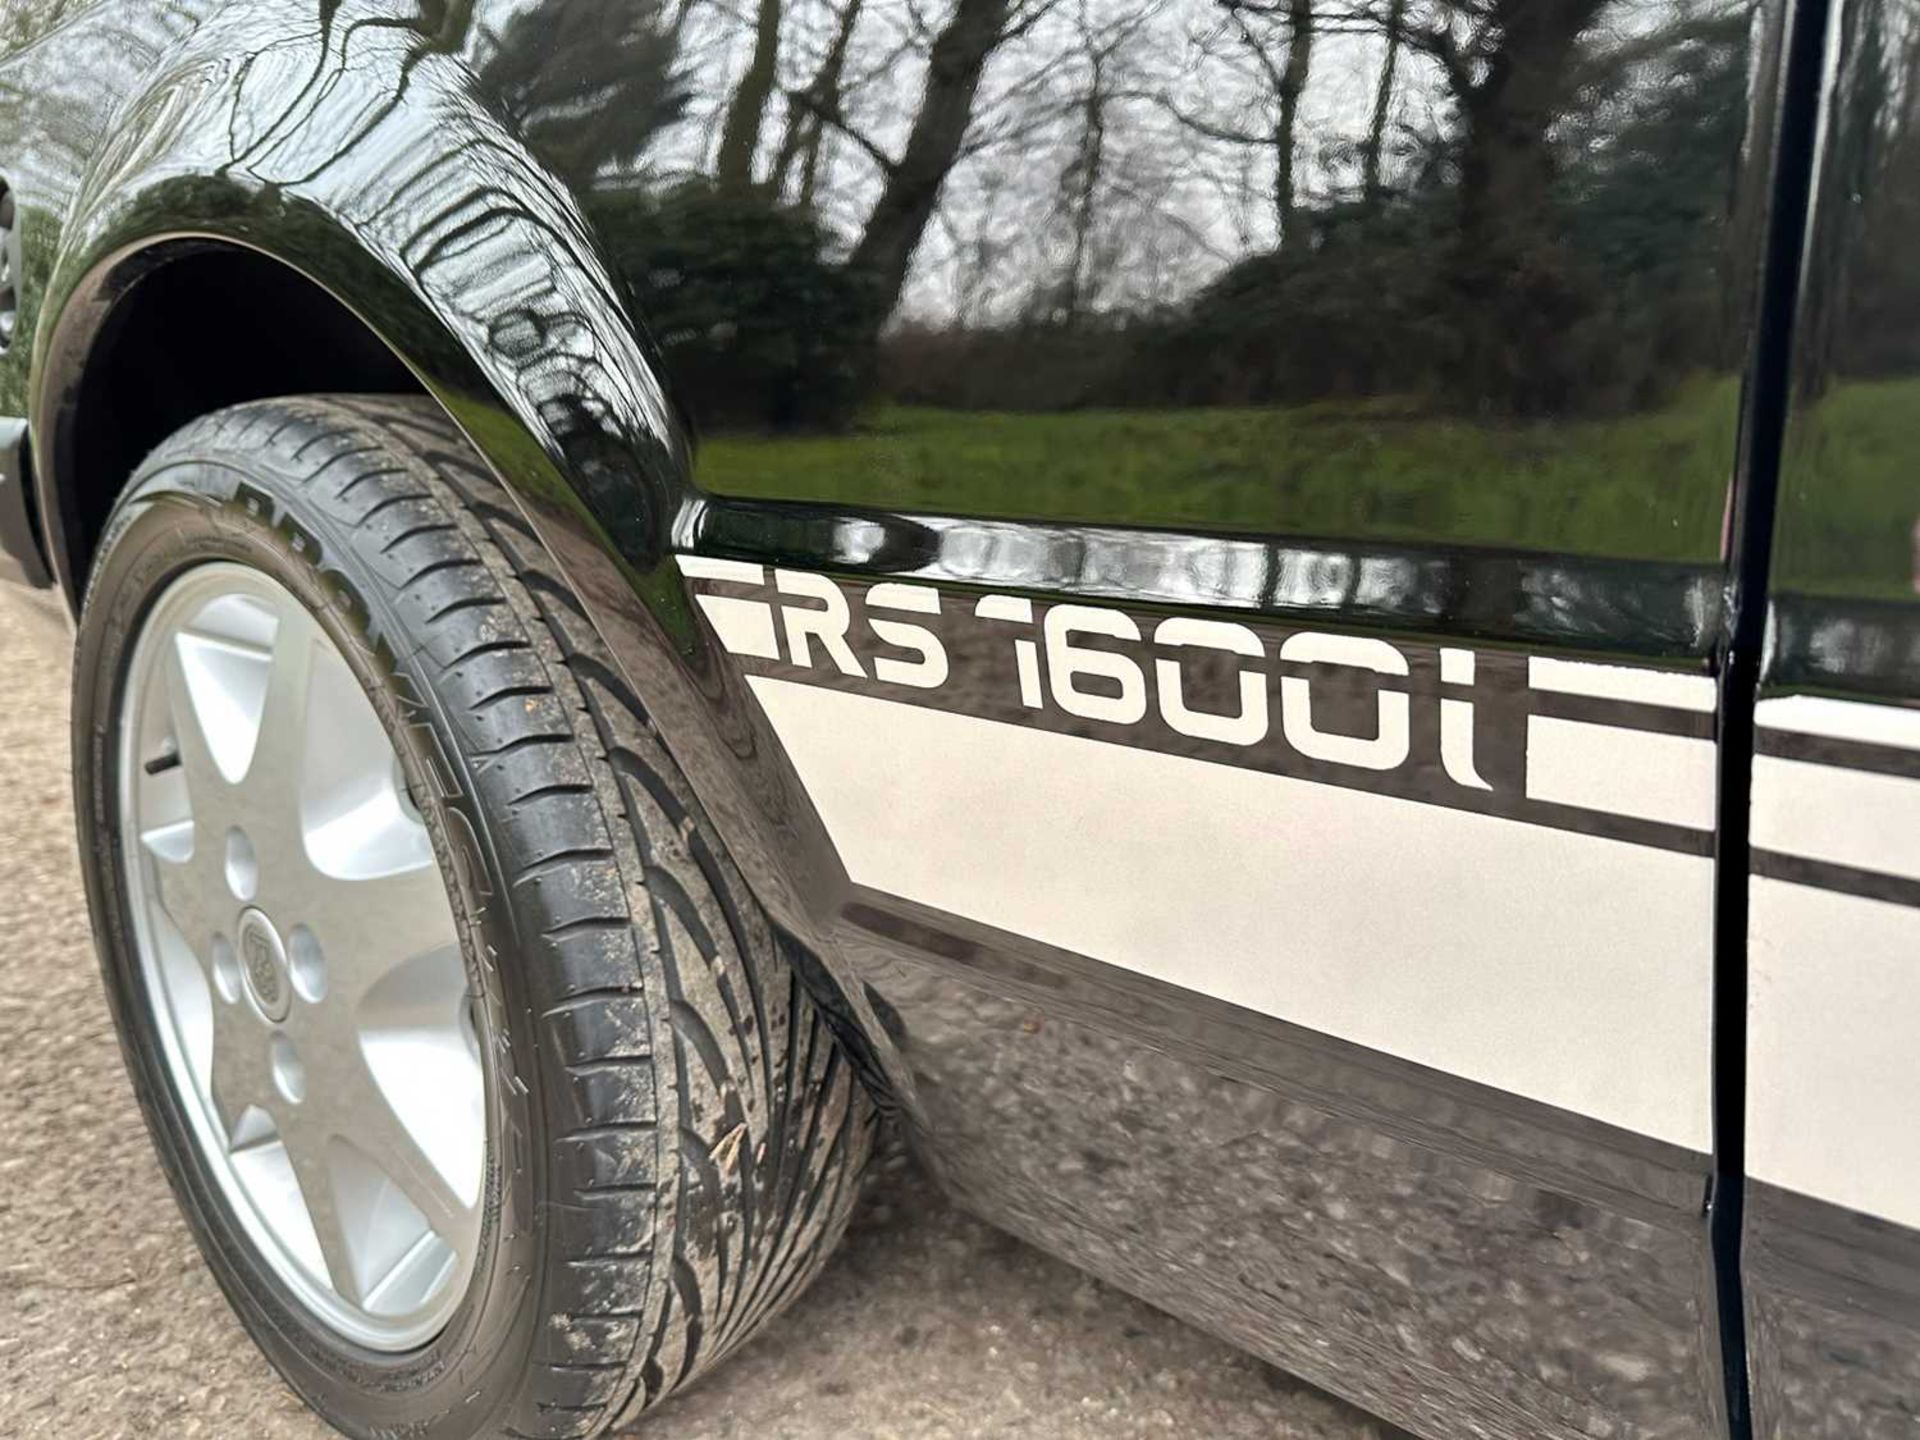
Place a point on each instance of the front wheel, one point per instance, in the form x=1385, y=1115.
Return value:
x=482, y=1081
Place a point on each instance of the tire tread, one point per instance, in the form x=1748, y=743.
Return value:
x=704, y=1131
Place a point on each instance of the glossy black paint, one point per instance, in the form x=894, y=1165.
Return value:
x=1659, y=611
x=1451, y=375
x=1740, y=666
x=1261, y=1178
x=21, y=562
x=1834, y=1308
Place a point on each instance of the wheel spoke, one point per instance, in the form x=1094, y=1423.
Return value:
x=206, y=782
x=273, y=776
x=181, y=886
x=414, y=1276
x=373, y=1128
x=310, y=1154
x=238, y=1082
x=368, y=929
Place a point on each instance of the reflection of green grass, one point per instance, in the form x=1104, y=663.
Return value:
x=1852, y=493
x=1650, y=486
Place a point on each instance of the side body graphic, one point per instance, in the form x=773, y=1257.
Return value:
x=1284, y=819
x=1205, y=636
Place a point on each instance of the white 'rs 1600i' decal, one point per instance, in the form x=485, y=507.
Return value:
x=1321, y=827
x=1314, y=826
x=1615, y=750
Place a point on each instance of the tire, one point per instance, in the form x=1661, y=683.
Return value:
x=674, y=1135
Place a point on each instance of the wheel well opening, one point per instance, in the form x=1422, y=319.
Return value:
x=205, y=328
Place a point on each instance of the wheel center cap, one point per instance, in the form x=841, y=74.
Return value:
x=263, y=961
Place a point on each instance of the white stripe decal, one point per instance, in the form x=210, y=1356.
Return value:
x=1846, y=817
x=1622, y=772
x=1833, y=1063
x=705, y=567
x=1552, y=964
x=1834, y=978
x=1841, y=720
x=744, y=626
x=1621, y=682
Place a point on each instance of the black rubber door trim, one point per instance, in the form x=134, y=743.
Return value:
x=1742, y=655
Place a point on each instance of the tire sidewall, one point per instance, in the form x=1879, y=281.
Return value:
x=178, y=514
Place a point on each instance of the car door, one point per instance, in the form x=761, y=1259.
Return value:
x=1832, y=1252
x=1246, y=632
x=1218, y=520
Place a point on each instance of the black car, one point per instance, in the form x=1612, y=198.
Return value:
x=1285, y=630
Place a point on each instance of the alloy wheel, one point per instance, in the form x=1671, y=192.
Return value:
x=298, y=949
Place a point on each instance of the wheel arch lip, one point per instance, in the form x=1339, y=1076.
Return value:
x=78, y=333
x=431, y=223
x=475, y=267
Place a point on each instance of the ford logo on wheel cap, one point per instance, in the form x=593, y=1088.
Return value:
x=263, y=959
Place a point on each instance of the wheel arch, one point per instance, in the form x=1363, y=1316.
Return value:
x=404, y=236
x=422, y=249
x=167, y=332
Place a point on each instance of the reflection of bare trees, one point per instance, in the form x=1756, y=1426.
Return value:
x=1512, y=204
x=1393, y=28
x=1086, y=177
x=936, y=136
x=1107, y=169
x=589, y=85
x=1510, y=79
x=1864, y=319
x=747, y=110
x=812, y=108
x=1516, y=206
x=1276, y=42
x=899, y=217
x=25, y=21
x=1432, y=188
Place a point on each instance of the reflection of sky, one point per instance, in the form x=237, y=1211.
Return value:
x=1174, y=205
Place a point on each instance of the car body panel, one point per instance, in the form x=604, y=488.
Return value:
x=1832, y=1252
x=1312, y=929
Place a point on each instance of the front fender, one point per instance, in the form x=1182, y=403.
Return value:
x=358, y=152
x=355, y=150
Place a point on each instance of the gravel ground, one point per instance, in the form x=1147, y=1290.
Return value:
x=929, y=1325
